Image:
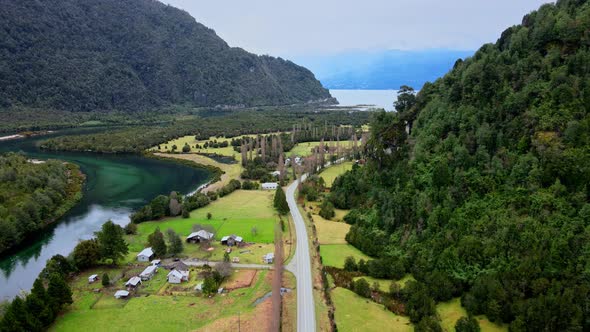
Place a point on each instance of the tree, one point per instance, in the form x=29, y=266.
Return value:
x=106, y=281
x=419, y=304
x=156, y=241
x=57, y=264
x=111, y=242
x=224, y=269
x=226, y=257
x=86, y=254
x=362, y=288
x=209, y=285
x=16, y=317
x=186, y=148
x=428, y=324
x=131, y=228
x=209, y=216
x=38, y=302
x=280, y=201
x=59, y=291
x=175, y=243
x=350, y=264
x=467, y=324
x=327, y=210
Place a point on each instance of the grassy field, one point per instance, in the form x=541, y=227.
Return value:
x=330, y=232
x=385, y=283
x=335, y=254
x=331, y=173
x=451, y=311
x=151, y=312
x=354, y=313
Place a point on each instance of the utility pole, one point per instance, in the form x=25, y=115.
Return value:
x=238, y=321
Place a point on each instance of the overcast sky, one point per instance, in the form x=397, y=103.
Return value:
x=305, y=27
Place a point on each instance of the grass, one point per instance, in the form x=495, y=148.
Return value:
x=335, y=254
x=354, y=313
x=236, y=213
x=330, y=232
x=331, y=173
x=450, y=312
x=385, y=283
x=158, y=313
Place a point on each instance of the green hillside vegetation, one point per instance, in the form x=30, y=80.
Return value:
x=32, y=195
x=488, y=197
x=132, y=55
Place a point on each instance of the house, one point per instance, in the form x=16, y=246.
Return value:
x=149, y=272
x=145, y=255
x=121, y=294
x=298, y=160
x=92, y=278
x=202, y=235
x=276, y=174
x=176, y=276
x=231, y=240
x=268, y=258
x=269, y=186
x=156, y=262
x=133, y=282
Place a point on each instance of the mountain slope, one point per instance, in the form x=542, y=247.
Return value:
x=132, y=55
x=488, y=198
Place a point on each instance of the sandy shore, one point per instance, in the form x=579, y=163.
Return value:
x=6, y=138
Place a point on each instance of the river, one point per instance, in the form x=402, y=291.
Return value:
x=115, y=185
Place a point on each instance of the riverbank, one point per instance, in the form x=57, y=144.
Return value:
x=72, y=194
x=24, y=135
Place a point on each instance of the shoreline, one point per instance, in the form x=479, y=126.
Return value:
x=25, y=134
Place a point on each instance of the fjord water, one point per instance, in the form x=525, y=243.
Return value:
x=375, y=98
x=115, y=185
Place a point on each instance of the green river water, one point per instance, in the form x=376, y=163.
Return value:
x=115, y=185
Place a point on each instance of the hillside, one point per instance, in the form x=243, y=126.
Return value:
x=102, y=55
x=488, y=197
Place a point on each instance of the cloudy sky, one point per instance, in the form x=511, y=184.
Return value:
x=314, y=27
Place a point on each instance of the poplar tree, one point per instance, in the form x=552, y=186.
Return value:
x=280, y=201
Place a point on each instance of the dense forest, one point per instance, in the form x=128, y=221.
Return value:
x=480, y=184
x=102, y=55
x=205, y=124
x=34, y=194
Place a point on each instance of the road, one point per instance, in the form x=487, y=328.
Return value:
x=301, y=266
x=235, y=265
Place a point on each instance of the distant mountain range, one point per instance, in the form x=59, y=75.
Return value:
x=94, y=55
x=381, y=70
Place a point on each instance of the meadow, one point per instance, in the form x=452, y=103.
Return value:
x=331, y=173
x=354, y=313
x=335, y=254
x=450, y=312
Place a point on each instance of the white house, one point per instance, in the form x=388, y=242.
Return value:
x=268, y=258
x=270, y=186
x=92, y=278
x=202, y=235
x=121, y=294
x=149, y=272
x=176, y=277
x=275, y=174
x=145, y=255
x=156, y=262
x=133, y=282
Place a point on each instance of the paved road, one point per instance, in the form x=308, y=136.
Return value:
x=301, y=266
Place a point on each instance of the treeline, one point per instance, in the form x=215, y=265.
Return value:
x=487, y=197
x=205, y=125
x=51, y=294
x=32, y=195
x=176, y=204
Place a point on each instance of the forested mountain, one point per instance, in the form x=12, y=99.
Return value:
x=132, y=55
x=488, y=197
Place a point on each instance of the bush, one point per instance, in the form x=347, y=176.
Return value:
x=327, y=210
x=106, y=281
x=350, y=264
x=467, y=324
x=362, y=288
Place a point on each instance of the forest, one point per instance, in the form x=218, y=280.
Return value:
x=136, y=55
x=205, y=124
x=479, y=185
x=32, y=195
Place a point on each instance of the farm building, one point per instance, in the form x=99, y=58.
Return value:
x=231, y=240
x=133, y=282
x=176, y=276
x=268, y=258
x=269, y=186
x=145, y=255
x=180, y=266
x=121, y=294
x=202, y=235
x=149, y=272
x=156, y=262
x=92, y=278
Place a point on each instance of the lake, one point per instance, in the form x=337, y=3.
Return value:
x=115, y=186
x=377, y=98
